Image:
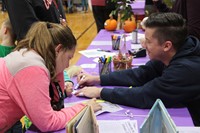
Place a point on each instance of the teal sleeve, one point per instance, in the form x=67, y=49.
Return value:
x=66, y=76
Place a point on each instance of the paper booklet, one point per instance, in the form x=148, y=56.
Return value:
x=158, y=120
x=84, y=121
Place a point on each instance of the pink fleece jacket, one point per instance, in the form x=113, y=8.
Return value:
x=24, y=90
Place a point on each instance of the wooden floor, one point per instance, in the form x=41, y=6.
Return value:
x=82, y=25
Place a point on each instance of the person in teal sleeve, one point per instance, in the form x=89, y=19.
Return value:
x=69, y=72
x=68, y=85
x=7, y=37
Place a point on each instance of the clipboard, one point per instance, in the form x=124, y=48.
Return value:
x=158, y=120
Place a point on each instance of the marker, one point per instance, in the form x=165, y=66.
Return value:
x=103, y=50
x=77, y=85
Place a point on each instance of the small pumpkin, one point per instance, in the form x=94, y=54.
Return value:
x=110, y=24
x=129, y=25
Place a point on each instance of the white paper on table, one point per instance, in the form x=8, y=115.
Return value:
x=119, y=126
x=188, y=129
x=90, y=53
x=136, y=46
x=130, y=38
x=95, y=53
x=88, y=65
x=106, y=106
x=96, y=60
x=101, y=43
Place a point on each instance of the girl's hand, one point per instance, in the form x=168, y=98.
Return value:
x=95, y=106
x=69, y=88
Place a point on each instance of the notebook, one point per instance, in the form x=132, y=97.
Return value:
x=84, y=121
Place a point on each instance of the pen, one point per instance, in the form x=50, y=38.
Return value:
x=103, y=50
x=77, y=85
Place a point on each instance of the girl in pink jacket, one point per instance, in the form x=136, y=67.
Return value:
x=26, y=74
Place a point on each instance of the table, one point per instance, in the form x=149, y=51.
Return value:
x=180, y=116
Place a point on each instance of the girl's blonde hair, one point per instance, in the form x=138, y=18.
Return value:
x=8, y=25
x=43, y=37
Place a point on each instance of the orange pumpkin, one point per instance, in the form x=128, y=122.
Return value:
x=129, y=25
x=110, y=24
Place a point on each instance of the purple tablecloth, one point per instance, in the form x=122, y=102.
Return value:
x=138, y=7
x=180, y=116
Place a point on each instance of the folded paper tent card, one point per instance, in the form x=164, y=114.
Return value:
x=158, y=120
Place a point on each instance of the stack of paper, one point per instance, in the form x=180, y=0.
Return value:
x=118, y=126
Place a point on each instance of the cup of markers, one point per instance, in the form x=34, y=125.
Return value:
x=122, y=62
x=115, y=42
x=105, y=65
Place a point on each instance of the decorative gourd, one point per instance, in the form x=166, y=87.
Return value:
x=110, y=24
x=129, y=25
